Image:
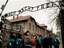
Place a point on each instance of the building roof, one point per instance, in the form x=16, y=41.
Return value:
x=42, y=25
x=20, y=18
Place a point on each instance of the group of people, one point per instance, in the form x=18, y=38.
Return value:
x=15, y=41
x=46, y=42
x=38, y=41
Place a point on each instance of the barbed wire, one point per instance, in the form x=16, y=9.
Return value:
x=34, y=9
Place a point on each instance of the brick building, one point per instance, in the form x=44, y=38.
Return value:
x=23, y=23
x=27, y=23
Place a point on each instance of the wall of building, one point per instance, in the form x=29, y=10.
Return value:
x=30, y=25
x=33, y=27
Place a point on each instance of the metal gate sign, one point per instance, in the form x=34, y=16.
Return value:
x=36, y=8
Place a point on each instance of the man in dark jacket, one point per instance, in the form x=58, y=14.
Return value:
x=55, y=42
x=46, y=42
x=19, y=41
x=50, y=41
x=11, y=42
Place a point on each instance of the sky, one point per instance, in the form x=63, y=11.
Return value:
x=42, y=16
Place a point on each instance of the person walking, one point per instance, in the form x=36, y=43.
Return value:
x=39, y=41
x=46, y=42
x=50, y=41
x=34, y=42
x=27, y=40
x=19, y=41
x=11, y=42
x=55, y=42
x=42, y=39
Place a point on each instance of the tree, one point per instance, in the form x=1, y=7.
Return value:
x=59, y=35
x=58, y=22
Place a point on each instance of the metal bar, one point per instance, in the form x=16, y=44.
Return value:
x=4, y=7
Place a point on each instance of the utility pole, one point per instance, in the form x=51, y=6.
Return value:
x=62, y=21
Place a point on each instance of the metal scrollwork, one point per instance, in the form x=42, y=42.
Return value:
x=36, y=8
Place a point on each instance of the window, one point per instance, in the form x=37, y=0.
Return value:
x=29, y=25
x=33, y=27
x=39, y=29
x=16, y=26
x=36, y=28
x=4, y=26
x=23, y=25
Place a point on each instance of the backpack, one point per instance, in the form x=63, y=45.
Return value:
x=11, y=43
x=18, y=43
x=56, y=41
